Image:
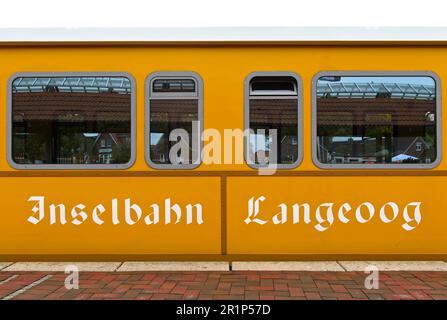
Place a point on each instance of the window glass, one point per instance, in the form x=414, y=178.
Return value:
x=376, y=120
x=273, y=120
x=174, y=107
x=173, y=85
x=71, y=120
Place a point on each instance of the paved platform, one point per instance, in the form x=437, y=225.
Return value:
x=240, y=285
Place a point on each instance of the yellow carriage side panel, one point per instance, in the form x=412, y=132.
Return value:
x=337, y=215
x=110, y=215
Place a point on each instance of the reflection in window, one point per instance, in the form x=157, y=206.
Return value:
x=376, y=120
x=174, y=104
x=71, y=120
x=273, y=104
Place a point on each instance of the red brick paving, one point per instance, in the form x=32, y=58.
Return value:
x=229, y=285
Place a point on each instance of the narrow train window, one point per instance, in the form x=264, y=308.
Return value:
x=385, y=121
x=174, y=107
x=271, y=114
x=71, y=121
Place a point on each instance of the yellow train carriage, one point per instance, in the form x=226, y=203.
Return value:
x=297, y=146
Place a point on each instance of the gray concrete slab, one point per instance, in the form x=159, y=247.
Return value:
x=3, y=265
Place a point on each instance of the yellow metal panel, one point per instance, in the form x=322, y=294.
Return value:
x=18, y=236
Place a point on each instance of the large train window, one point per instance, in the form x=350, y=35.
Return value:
x=376, y=120
x=71, y=121
x=272, y=113
x=174, y=103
